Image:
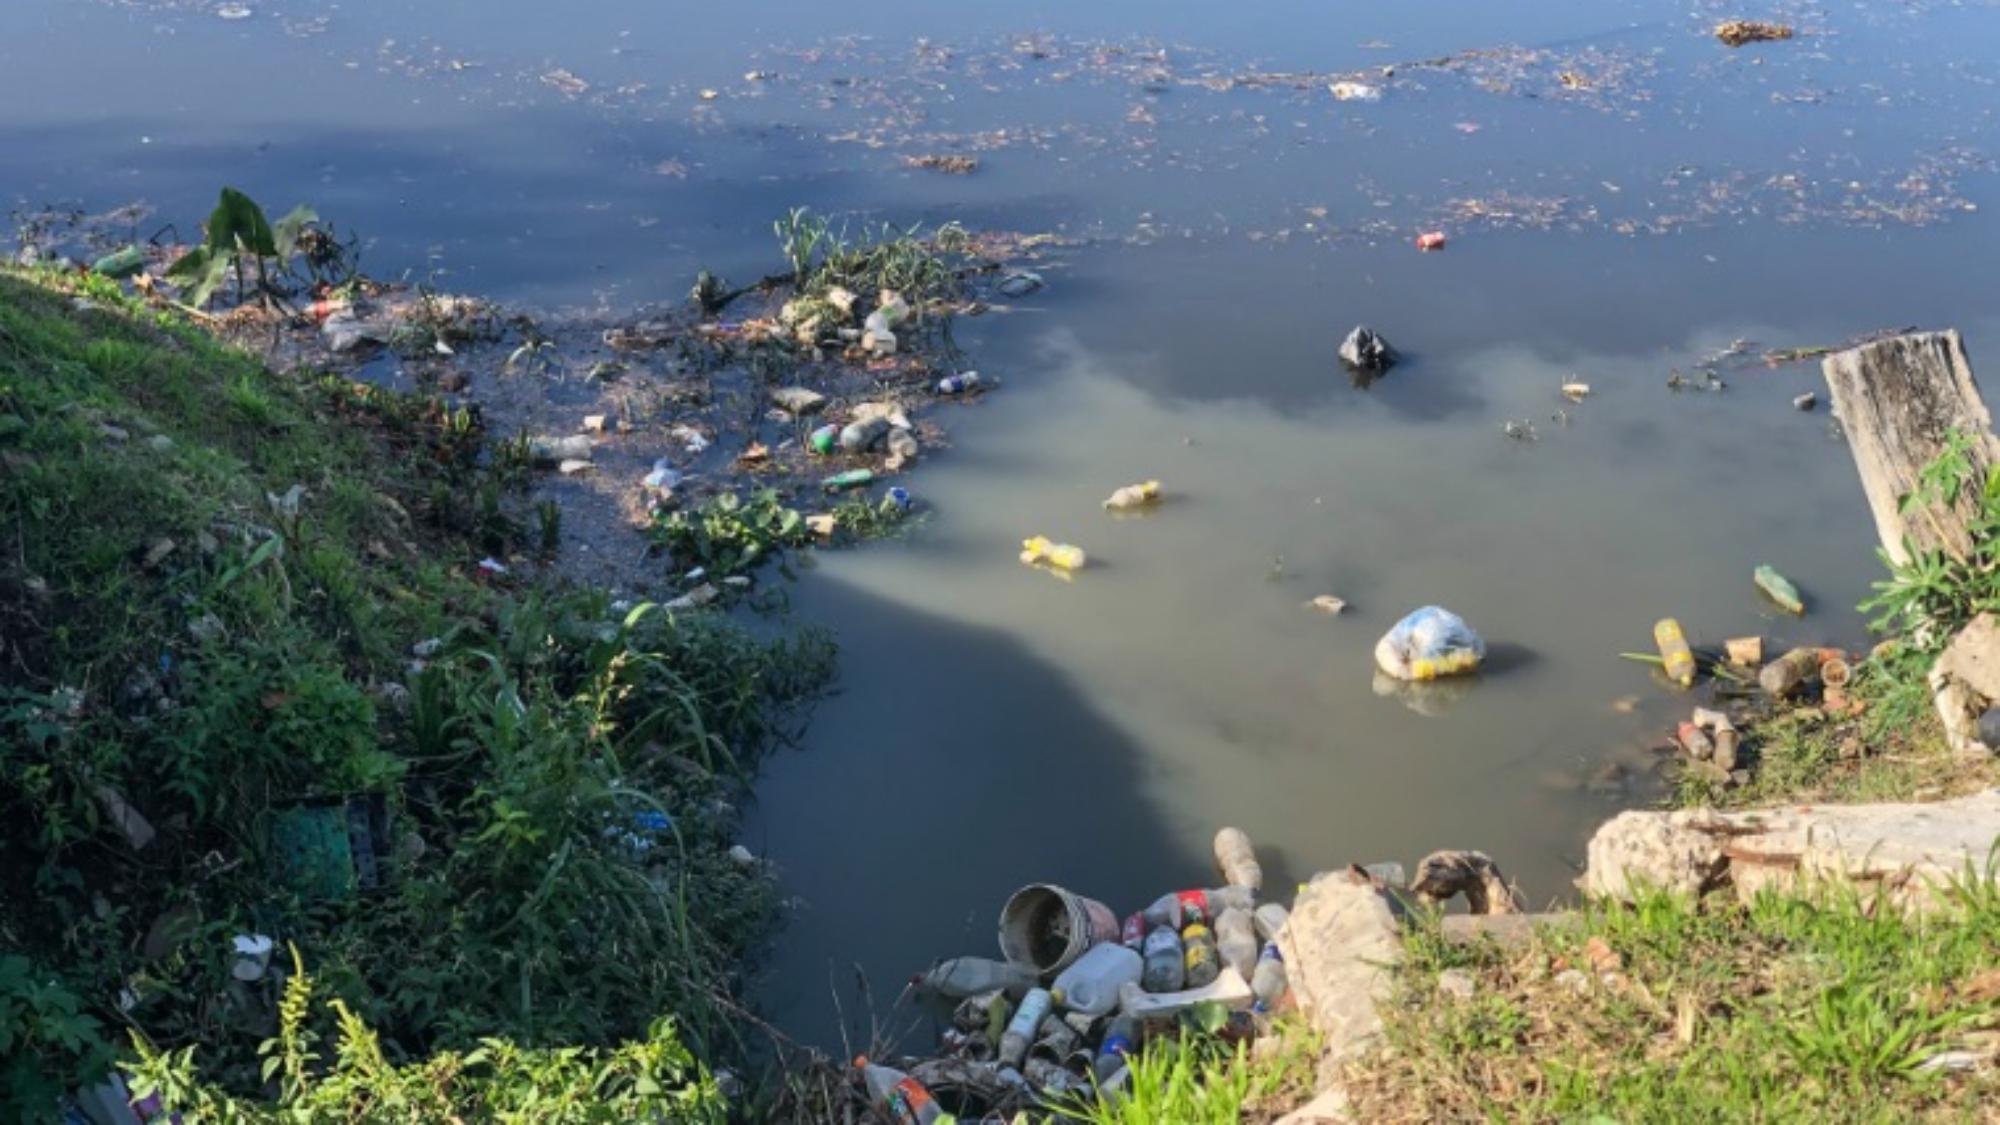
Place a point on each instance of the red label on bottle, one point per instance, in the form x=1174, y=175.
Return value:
x=909, y=1100
x=1194, y=906
x=1134, y=933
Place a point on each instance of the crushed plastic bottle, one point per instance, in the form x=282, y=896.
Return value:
x=1237, y=859
x=1236, y=940
x=1133, y=496
x=663, y=478
x=960, y=383
x=1062, y=556
x=1090, y=985
x=1021, y=1029
x=1165, y=965
x=902, y=1097
x=1782, y=677
x=961, y=977
x=1675, y=655
x=1204, y=961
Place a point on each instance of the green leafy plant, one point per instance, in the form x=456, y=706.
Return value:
x=731, y=534
x=1941, y=588
x=238, y=230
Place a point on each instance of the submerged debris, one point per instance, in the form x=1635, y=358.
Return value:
x=949, y=165
x=1366, y=351
x=1735, y=33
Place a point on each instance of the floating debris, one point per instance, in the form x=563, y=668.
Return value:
x=1735, y=33
x=949, y=165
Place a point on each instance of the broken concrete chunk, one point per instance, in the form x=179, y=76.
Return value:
x=549, y=448
x=798, y=401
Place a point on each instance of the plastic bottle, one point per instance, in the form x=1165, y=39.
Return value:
x=1063, y=556
x=1229, y=989
x=1267, y=982
x=1090, y=985
x=1236, y=940
x=1270, y=918
x=1181, y=907
x=1021, y=1029
x=900, y=497
x=959, y=384
x=1674, y=651
x=1779, y=589
x=1133, y=496
x=960, y=977
x=901, y=1096
x=1204, y=961
x=1120, y=1040
x=825, y=439
x=1165, y=965
x=1133, y=933
x=852, y=478
x=1238, y=860
x=1783, y=676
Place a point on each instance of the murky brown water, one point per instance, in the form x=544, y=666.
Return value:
x=1623, y=196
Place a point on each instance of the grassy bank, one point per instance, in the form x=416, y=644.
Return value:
x=237, y=608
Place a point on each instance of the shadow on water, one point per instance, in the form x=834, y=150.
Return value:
x=901, y=842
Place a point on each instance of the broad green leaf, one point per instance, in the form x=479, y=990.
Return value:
x=237, y=223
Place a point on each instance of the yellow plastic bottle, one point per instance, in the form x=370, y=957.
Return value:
x=1674, y=651
x=1133, y=496
x=1063, y=556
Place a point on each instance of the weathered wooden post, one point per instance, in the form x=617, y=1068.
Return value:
x=1900, y=400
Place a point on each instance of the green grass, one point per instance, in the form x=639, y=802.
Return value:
x=1792, y=1007
x=1192, y=1078
x=213, y=580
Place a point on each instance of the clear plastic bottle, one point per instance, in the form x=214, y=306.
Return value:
x=1236, y=940
x=1267, y=982
x=1237, y=860
x=1270, y=918
x=960, y=977
x=1133, y=496
x=1020, y=1031
x=1120, y=1040
x=1165, y=965
x=1090, y=985
x=901, y=1096
x=1204, y=961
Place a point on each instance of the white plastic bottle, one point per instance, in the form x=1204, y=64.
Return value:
x=1269, y=982
x=1021, y=1030
x=1238, y=860
x=1091, y=984
x=1271, y=918
x=960, y=977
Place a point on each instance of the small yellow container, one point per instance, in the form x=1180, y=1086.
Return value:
x=1063, y=556
x=1674, y=651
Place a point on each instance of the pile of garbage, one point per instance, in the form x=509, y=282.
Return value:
x=1076, y=992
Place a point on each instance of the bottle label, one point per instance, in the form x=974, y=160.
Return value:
x=908, y=1100
x=1133, y=935
x=1199, y=953
x=1115, y=1045
x=1194, y=906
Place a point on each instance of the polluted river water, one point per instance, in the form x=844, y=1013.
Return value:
x=1624, y=199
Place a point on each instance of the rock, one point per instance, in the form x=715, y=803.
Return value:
x=1508, y=930
x=1339, y=945
x=1020, y=283
x=1894, y=851
x=1328, y=1108
x=346, y=332
x=798, y=401
x=549, y=448
x=1966, y=683
x=1443, y=875
x=1456, y=984
x=594, y=423
x=890, y=411
x=1805, y=401
x=841, y=299
x=1575, y=980
x=573, y=465
x=1367, y=352
x=902, y=445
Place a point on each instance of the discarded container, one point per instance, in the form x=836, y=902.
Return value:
x=902, y=1097
x=1050, y=1077
x=1745, y=652
x=861, y=436
x=1204, y=961
x=1228, y=989
x=120, y=263
x=550, y=448
x=1431, y=240
x=1779, y=589
x=1046, y=928
x=1236, y=940
x=900, y=497
x=1268, y=981
x=1805, y=401
x=1674, y=651
x=1179, y=908
x=961, y=977
x=253, y=957
x=1056, y=1041
x=1133, y=496
x=1576, y=391
x=798, y=401
x=1019, y=283
x=1238, y=860
x=1090, y=986
x=1366, y=351
x=1834, y=676
x=1355, y=92
x=1695, y=741
x=902, y=446
x=1327, y=603
x=852, y=478
x=960, y=383
x=824, y=439
x=1132, y=935
x=1270, y=918
x=1063, y=556
x=1783, y=676
x=1429, y=643
x=1021, y=1029
x=1120, y=1040
x=1165, y=964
